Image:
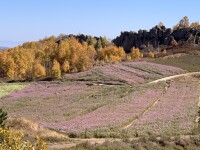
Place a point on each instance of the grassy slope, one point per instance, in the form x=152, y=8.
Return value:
x=6, y=89
x=188, y=62
x=52, y=103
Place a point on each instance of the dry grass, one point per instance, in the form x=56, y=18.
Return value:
x=33, y=130
x=7, y=88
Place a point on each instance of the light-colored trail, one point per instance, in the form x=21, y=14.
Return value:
x=174, y=76
x=74, y=142
x=148, y=108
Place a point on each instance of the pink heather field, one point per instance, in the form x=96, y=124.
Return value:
x=128, y=72
x=112, y=115
x=175, y=112
x=114, y=96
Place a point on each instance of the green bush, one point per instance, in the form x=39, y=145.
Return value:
x=3, y=117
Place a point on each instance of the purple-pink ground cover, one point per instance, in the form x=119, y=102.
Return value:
x=106, y=117
x=45, y=90
x=175, y=112
x=131, y=72
x=46, y=101
x=75, y=107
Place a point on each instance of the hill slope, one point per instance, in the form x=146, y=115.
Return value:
x=114, y=100
x=111, y=91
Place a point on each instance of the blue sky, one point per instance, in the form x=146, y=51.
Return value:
x=27, y=20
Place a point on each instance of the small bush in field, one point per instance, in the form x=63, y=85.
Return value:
x=151, y=55
x=3, y=117
x=12, y=140
x=73, y=135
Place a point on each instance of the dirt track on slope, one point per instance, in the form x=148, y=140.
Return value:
x=148, y=108
x=174, y=76
x=74, y=142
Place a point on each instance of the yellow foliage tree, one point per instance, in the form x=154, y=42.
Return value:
x=183, y=23
x=128, y=57
x=135, y=53
x=12, y=140
x=65, y=66
x=36, y=59
x=111, y=53
x=81, y=55
x=63, y=51
x=3, y=58
x=151, y=54
x=55, y=71
x=10, y=68
x=21, y=69
x=38, y=70
x=194, y=25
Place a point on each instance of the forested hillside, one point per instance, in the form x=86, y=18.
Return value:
x=53, y=56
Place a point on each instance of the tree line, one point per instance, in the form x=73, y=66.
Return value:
x=49, y=58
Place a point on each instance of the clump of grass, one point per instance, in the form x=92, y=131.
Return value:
x=33, y=130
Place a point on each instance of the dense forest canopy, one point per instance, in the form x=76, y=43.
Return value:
x=56, y=55
x=53, y=56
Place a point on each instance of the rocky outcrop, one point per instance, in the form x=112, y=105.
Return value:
x=155, y=37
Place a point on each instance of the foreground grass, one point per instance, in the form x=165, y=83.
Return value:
x=7, y=88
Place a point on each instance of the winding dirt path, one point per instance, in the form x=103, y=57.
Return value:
x=174, y=76
x=74, y=142
x=148, y=108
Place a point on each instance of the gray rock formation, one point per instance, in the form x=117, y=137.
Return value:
x=156, y=37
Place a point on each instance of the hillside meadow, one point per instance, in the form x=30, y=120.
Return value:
x=113, y=100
